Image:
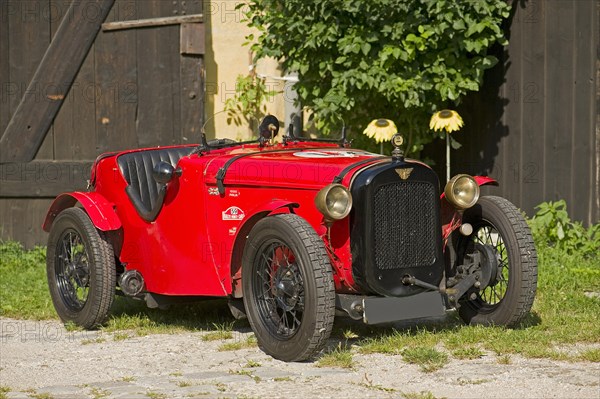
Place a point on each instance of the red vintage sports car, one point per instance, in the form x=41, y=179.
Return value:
x=292, y=233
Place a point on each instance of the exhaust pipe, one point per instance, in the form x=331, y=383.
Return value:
x=131, y=283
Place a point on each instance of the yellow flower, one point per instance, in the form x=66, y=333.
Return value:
x=381, y=130
x=446, y=119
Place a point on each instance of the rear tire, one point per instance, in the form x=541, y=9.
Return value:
x=80, y=266
x=497, y=223
x=289, y=294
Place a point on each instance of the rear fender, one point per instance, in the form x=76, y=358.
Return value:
x=99, y=210
x=451, y=218
x=272, y=208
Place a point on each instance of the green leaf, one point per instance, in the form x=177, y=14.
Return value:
x=454, y=144
x=560, y=233
x=366, y=47
x=458, y=25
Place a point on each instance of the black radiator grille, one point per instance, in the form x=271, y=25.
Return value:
x=405, y=225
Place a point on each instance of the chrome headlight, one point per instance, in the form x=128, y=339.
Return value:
x=462, y=191
x=334, y=202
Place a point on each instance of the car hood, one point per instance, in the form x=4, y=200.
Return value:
x=298, y=167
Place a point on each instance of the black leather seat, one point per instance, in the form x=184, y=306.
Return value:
x=144, y=192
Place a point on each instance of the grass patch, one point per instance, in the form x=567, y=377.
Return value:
x=221, y=387
x=72, y=327
x=419, y=395
x=590, y=355
x=98, y=340
x=252, y=364
x=395, y=341
x=32, y=393
x=468, y=353
x=183, y=384
x=247, y=373
x=222, y=331
x=208, y=315
x=3, y=391
x=466, y=381
x=504, y=359
x=156, y=395
x=249, y=342
x=127, y=378
x=23, y=287
x=283, y=379
x=98, y=393
x=339, y=357
x=427, y=358
x=376, y=387
x=121, y=336
x=370, y=385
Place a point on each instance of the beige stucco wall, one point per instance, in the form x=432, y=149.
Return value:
x=225, y=59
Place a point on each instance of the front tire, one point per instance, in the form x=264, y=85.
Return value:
x=81, y=269
x=289, y=294
x=498, y=224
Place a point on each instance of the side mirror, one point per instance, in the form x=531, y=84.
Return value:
x=163, y=172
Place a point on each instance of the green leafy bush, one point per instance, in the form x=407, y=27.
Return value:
x=552, y=226
x=395, y=59
x=249, y=103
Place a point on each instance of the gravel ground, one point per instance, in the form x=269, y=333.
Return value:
x=41, y=357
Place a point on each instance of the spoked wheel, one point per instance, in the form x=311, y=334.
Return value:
x=288, y=288
x=81, y=269
x=280, y=288
x=72, y=271
x=500, y=231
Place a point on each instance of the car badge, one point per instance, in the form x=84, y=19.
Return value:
x=404, y=173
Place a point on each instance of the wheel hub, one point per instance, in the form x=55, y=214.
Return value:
x=78, y=272
x=489, y=265
x=286, y=289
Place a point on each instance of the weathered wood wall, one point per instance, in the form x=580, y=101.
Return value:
x=134, y=89
x=535, y=124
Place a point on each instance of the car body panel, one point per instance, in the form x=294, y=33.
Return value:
x=96, y=206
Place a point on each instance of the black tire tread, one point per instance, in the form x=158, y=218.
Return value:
x=102, y=254
x=323, y=279
x=511, y=219
x=324, y=282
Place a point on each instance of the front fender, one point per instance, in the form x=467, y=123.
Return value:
x=485, y=181
x=451, y=218
x=96, y=206
x=274, y=206
x=261, y=211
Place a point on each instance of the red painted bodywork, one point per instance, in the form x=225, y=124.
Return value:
x=96, y=206
x=195, y=245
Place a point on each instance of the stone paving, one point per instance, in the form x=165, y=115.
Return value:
x=42, y=360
